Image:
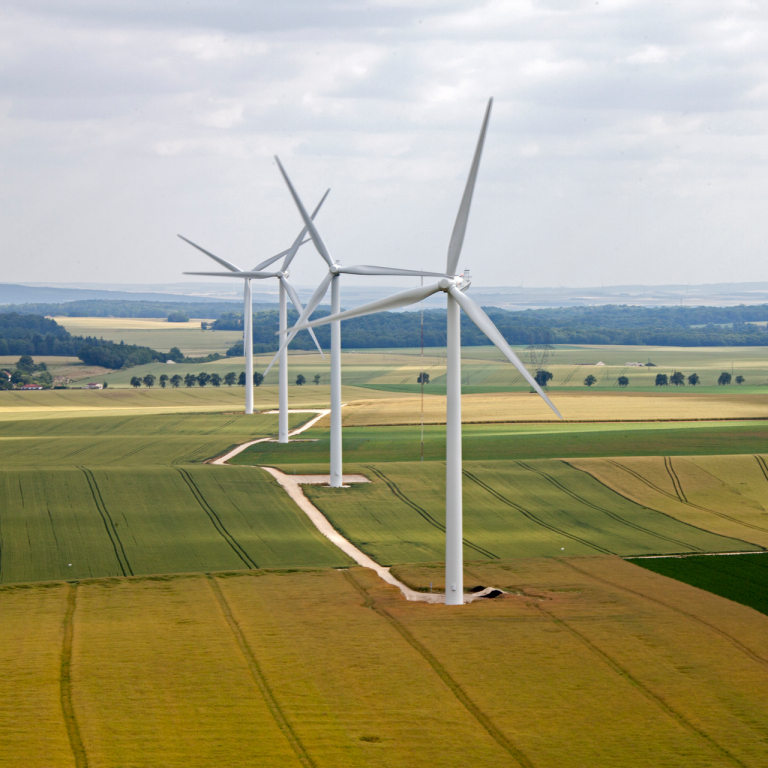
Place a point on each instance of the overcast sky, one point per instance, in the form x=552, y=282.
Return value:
x=627, y=142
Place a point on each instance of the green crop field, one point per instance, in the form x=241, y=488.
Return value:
x=586, y=662
x=511, y=509
x=81, y=522
x=517, y=441
x=742, y=578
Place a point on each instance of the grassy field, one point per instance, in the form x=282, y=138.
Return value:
x=724, y=494
x=156, y=333
x=511, y=509
x=743, y=579
x=516, y=441
x=332, y=668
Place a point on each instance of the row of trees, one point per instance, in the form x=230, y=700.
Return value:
x=204, y=379
x=199, y=379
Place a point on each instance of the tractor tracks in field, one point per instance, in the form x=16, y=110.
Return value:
x=679, y=494
x=635, y=526
x=531, y=516
x=216, y=520
x=109, y=523
x=65, y=681
x=639, y=685
x=423, y=512
x=258, y=677
x=480, y=717
x=721, y=633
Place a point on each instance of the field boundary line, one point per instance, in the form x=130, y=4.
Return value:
x=259, y=678
x=608, y=512
x=640, y=686
x=65, y=681
x=423, y=512
x=109, y=523
x=483, y=720
x=240, y=448
x=527, y=513
x=722, y=633
x=638, y=476
x=216, y=520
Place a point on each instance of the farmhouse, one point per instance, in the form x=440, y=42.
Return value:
x=93, y=385
x=31, y=386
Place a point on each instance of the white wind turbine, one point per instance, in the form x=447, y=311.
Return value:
x=335, y=270
x=454, y=288
x=285, y=288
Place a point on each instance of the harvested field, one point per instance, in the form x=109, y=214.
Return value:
x=724, y=494
x=582, y=406
x=511, y=509
x=603, y=664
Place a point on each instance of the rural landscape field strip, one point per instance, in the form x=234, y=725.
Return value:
x=680, y=496
x=485, y=722
x=423, y=513
x=109, y=523
x=531, y=516
x=216, y=520
x=537, y=508
x=742, y=578
x=258, y=676
x=519, y=441
x=604, y=509
x=223, y=670
x=646, y=690
x=74, y=523
x=679, y=609
x=621, y=643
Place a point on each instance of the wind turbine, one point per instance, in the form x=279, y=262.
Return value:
x=285, y=288
x=335, y=270
x=454, y=288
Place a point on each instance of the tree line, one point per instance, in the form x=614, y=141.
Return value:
x=654, y=326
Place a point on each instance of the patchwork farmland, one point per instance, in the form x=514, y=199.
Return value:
x=161, y=610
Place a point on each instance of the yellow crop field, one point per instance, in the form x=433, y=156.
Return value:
x=727, y=495
x=582, y=406
x=586, y=662
x=66, y=403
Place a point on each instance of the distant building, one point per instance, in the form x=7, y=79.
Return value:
x=600, y=363
x=93, y=385
x=31, y=386
x=171, y=362
x=634, y=365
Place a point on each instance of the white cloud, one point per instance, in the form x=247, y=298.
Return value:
x=627, y=139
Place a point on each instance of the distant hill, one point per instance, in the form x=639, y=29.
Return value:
x=131, y=308
x=26, y=294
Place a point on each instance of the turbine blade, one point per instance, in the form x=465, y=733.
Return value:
x=460, y=227
x=300, y=239
x=223, y=262
x=403, y=299
x=485, y=324
x=313, y=233
x=312, y=305
x=272, y=259
x=296, y=301
x=365, y=269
